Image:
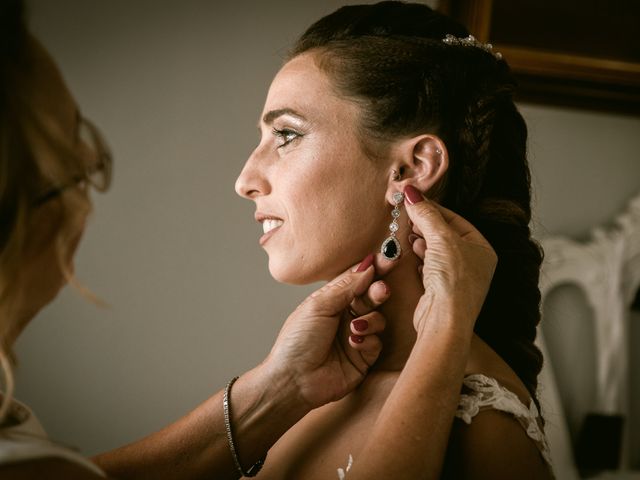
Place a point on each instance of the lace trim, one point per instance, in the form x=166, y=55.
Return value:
x=486, y=393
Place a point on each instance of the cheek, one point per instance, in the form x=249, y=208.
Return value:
x=334, y=199
x=334, y=223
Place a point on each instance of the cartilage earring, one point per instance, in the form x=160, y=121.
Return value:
x=391, y=246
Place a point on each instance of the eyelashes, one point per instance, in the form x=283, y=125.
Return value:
x=285, y=136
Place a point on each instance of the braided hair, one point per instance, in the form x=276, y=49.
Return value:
x=390, y=59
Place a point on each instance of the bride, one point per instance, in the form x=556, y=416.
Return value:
x=375, y=100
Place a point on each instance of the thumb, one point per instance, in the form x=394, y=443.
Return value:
x=423, y=213
x=336, y=295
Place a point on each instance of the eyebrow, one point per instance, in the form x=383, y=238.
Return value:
x=270, y=116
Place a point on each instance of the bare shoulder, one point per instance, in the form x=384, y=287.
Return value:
x=46, y=469
x=494, y=446
x=484, y=360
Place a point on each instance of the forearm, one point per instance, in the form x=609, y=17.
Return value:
x=409, y=439
x=264, y=406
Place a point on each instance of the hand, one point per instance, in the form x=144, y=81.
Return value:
x=320, y=346
x=458, y=262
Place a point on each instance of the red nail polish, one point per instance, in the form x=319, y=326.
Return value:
x=357, y=338
x=360, y=325
x=366, y=263
x=412, y=194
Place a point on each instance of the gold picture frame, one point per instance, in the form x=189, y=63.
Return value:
x=554, y=74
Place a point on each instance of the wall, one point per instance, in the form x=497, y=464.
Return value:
x=177, y=87
x=585, y=168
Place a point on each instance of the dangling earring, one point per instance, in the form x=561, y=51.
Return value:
x=391, y=246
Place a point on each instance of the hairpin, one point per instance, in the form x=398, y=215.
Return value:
x=471, y=41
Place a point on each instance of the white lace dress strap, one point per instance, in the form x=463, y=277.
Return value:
x=483, y=393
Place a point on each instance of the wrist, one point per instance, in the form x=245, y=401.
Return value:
x=263, y=406
x=447, y=317
x=281, y=385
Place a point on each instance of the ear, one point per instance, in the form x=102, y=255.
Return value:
x=419, y=161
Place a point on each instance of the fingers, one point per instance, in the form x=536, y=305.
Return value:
x=427, y=216
x=457, y=223
x=383, y=264
x=419, y=247
x=338, y=294
x=364, y=336
x=369, y=324
x=376, y=295
x=369, y=347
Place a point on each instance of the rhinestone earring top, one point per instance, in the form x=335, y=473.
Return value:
x=391, y=246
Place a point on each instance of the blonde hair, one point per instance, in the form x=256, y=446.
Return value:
x=33, y=153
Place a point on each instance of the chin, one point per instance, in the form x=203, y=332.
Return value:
x=286, y=273
x=291, y=273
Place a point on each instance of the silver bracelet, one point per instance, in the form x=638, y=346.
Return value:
x=226, y=405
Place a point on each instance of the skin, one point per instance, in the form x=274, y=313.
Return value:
x=320, y=166
x=391, y=410
x=315, y=359
x=336, y=202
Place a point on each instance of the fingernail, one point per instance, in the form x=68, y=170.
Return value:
x=360, y=325
x=413, y=237
x=366, y=263
x=357, y=339
x=387, y=290
x=412, y=194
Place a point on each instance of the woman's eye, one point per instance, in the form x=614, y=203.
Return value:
x=285, y=136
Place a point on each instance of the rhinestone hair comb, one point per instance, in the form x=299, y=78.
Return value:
x=471, y=41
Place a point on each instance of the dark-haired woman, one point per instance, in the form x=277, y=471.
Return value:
x=376, y=100
x=50, y=156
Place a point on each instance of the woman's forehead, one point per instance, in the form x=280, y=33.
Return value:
x=301, y=86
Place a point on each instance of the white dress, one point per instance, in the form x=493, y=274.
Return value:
x=483, y=393
x=22, y=438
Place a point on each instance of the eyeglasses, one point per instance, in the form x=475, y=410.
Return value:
x=98, y=159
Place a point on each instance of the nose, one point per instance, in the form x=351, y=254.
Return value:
x=252, y=181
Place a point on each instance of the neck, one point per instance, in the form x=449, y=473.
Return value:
x=399, y=335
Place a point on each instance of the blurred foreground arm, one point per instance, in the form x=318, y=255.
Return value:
x=314, y=361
